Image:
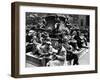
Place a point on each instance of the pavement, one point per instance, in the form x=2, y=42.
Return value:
x=84, y=58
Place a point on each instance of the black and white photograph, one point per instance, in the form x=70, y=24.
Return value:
x=52, y=39
x=55, y=39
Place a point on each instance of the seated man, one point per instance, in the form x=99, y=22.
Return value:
x=45, y=51
x=29, y=41
x=78, y=39
x=70, y=50
x=61, y=53
x=73, y=43
x=83, y=41
x=71, y=57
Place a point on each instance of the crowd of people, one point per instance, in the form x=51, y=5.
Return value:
x=57, y=46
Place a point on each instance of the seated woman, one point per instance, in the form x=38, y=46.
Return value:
x=54, y=61
x=58, y=59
